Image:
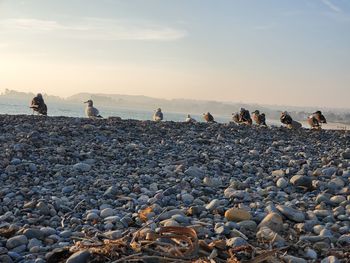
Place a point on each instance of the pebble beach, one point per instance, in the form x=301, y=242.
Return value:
x=65, y=180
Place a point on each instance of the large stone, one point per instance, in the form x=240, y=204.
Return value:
x=291, y=213
x=282, y=183
x=92, y=216
x=311, y=254
x=79, y=257
x=330, y=259
x=213, y=205
x=107, y=212
x=112, y=190
x=273, y=221
x=195, y=210
x=265, y=234
x=48, y=231
x=338, y=199
x=212, y=181
x=43, y=208
x=249, y=225
x=293, y=259
x=344, y=240
x=34, y=233
x=82, y=167
x=237, y=215
x=187, y=198
x=34, y=243
x=278, y=173
x=301, y=181
x=16, y=241
x=5, y=259
x=170, y=213
x=346, y=155
x=194, y=172
x=329, y=171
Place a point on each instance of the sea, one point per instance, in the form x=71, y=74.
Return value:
x=18, y=107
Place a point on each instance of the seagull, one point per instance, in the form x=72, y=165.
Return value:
x=190, y=119
x=91, y=111
x=39, y=105
x=158, y=115
x=316, y=119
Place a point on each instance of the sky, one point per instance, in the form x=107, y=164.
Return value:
x=291, y=52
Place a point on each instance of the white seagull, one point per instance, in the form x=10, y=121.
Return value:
x=190, y=119
x=91, y=111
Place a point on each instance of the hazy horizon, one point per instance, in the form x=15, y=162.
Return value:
x=273, y=52
x=278, y=106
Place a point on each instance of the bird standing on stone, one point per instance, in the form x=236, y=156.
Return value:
x=208, y=117
x=235, y=117
x=244, y=117
x=38, y=105
x=158, y=115
x=316, y=119
x=91, y=111
x=190, y=119
x=287, y=120
x=259, y=118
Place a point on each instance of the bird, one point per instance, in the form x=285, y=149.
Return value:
x=235, y=117
x=287, y=120
x=158, y=115
x=244, y=117
x=38, y=105
x=208, y=117
x=190, y=119
x=316, y=119
x=259, y=119
x=91, y=111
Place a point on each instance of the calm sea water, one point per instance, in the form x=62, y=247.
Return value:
x=14, y=107
x=75, y=110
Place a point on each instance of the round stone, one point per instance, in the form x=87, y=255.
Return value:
x=237, y=215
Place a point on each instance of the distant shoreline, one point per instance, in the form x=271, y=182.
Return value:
x=143, y=105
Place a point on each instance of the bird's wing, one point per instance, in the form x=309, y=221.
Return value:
x=90, y=112
x=96, y=112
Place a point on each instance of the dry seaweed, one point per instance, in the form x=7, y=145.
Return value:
x=169, y=244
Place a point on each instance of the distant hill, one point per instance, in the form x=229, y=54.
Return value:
x=180, y=105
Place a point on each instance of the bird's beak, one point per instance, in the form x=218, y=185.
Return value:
x=86, y=102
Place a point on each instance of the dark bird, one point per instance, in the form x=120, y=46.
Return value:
x=38, y=105
x=158, y=115
x=208, y=117
x=244, y=117
x=316, y=119
x=91, y=111
x=259, y=118
x=287, y=120
x=235, y=117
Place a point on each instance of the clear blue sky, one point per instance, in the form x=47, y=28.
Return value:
x=294, y=52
